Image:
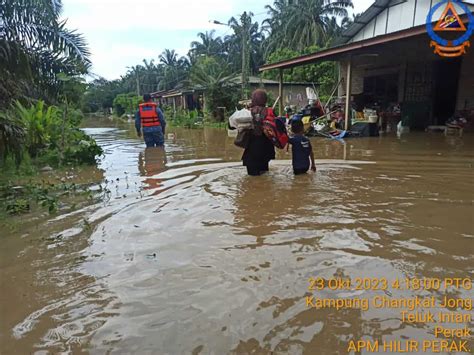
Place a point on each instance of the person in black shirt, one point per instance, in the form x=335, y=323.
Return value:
x=302, y=151
x=260, y=149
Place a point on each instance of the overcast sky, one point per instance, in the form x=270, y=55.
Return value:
x=122, y=33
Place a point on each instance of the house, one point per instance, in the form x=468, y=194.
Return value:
x=294, y=92
x=180, y=97
x=388, y=54
x=192, y=98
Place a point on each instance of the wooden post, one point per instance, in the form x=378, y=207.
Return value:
x=174, y=106
x=348, y=109
x=280, y=93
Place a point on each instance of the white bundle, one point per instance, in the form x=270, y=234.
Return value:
x=241, y=119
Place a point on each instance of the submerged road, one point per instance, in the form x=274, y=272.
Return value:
x=186, y=254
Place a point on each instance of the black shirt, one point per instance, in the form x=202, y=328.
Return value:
x=301, y=150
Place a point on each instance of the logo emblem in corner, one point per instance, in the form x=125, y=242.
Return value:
x=450, y=21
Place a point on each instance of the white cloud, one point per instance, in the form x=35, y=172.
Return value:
x=109, y=15
x=361, y=5
x=122, y=33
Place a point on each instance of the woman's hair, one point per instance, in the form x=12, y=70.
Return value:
x=259, y=98
x=297, y=126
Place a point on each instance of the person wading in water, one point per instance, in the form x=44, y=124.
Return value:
x=150, y=119
x=260, y=149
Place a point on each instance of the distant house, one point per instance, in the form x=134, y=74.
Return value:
x=190, y=98
x=294, y=92
x=180, y=97
x=388, y=55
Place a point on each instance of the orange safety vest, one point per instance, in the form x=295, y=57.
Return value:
x=148, y=115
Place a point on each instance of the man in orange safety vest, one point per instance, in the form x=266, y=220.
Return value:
x=150, y=120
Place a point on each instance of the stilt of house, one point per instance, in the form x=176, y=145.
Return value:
x=348, y=109
x=280, y=93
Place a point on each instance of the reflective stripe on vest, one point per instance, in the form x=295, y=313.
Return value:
x=148, y=115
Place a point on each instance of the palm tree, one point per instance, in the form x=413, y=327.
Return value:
x=299, y=24
x=175, y=70
x=35, y=46
x=244, y=47
x=12, y=136
x=208, y=45
x=169, y=57
x=213, y=75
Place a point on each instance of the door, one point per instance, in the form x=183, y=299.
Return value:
x=446, y=74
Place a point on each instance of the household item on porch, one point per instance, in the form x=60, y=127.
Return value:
x=373, y=119
x=369, y=112
x=455, y=125
x=402, y=129
x=365, y=129
x=311, y=94
x=436, y=128
x=296, y=117
x=337, y=134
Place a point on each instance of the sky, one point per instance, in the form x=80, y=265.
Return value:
x=122, y=33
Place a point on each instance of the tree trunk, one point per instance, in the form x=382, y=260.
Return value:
x=63, y=130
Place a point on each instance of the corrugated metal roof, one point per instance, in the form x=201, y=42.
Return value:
x=376, y=8
x=255, y=80
x=335, y=53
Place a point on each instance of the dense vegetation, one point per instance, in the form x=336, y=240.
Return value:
x=293, y=27
x=41, y=86
x=42, y=68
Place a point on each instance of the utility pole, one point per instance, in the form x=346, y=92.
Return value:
x=138, y=83
x=132, y=69
x=245, y=33
x=245, y=53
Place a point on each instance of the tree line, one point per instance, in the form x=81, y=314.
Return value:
x=292, y=28
x=36, y=48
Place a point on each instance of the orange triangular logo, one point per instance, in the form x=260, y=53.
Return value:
x=450, y=20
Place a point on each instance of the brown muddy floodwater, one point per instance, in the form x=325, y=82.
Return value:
x=187, y=254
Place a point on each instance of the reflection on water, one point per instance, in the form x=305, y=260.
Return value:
x=188, y=254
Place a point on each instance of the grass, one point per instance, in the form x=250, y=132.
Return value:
x=28, y=198
x=191, y=119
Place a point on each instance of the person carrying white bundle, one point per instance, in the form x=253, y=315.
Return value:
x=241, y=119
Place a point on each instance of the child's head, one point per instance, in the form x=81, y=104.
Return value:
x=297, y=127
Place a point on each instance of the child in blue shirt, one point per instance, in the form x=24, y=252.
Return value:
x=302, y=151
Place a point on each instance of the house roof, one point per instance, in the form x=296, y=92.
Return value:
x=376, y=8
x=236, y=80
x=255, y=80
x=335, y=53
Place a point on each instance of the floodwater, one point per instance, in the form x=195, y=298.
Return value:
x=187, y=254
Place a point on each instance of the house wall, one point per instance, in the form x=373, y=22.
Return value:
x=357, y=81
x=292, y=94
x=466, y=83
x=400, y=15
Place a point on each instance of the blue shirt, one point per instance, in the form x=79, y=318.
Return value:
x=301, y=150
x=161, y=117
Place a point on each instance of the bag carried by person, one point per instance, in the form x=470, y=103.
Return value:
x=242, y=120
x=243, y=138
x=275, y=130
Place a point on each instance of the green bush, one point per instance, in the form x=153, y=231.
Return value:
x=126, y=103
x=49, y=135
x=84, y=152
